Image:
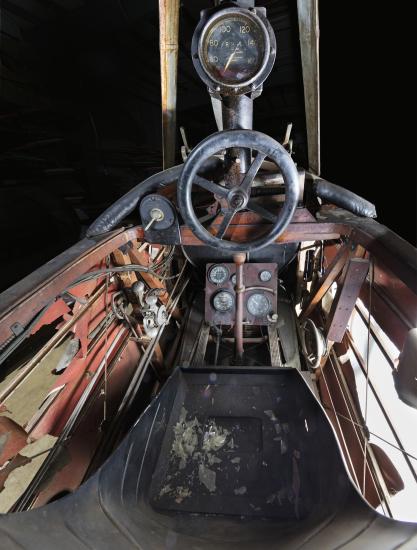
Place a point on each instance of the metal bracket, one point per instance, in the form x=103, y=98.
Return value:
x=17, y=328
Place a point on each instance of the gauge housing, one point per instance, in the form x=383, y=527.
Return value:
x=211, y=20
x=214, y=271
x=258, y=304
x=223, y=301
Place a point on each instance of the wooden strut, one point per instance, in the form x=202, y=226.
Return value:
x=326, y=281
x=346, y=297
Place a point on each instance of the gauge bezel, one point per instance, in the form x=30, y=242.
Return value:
x=262, y=315
x=225, y=279
x=197, y=50
x=220, y=291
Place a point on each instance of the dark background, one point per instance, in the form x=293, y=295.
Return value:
x=80, y=110
x=368, y=99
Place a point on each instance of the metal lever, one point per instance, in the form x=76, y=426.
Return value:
x=239, y=260
x=185, y=149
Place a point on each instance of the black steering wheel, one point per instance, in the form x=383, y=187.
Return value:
x=238, y=197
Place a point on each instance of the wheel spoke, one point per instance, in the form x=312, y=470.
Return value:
x=211, y=186
x=258, y=209
x=251, y=173
x=227, y=218
x=207, y=217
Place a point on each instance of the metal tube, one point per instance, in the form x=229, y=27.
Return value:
x=258, y=340
x=168, y=46
x=239, y=260
x=237, y=112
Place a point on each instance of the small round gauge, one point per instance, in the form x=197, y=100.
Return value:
x=258, y=305
x=218, y=274
x=233, y=278
x=223, y=301
x=265, y=276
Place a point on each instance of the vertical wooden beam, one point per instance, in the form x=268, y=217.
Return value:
x=308, y=24
x=345, y=299
x=168, y=45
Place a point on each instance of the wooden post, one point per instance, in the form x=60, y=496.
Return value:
x=168, y=45
x=308, y=24
x=345, y=298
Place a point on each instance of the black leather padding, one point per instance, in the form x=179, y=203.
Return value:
x=344, y=198
x=126, y=204
x=114, y=509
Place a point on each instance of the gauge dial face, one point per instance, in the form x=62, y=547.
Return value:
x=233, y=49
x=218, y=274
x=223, y=301
x=258, y=305
x=265, y=276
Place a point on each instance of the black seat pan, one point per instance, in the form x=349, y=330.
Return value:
x=276, y=477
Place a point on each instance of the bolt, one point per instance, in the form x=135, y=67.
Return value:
x=157, y=214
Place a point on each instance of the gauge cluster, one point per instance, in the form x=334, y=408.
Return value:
x=260, y=297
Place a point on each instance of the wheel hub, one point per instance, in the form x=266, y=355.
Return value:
x=237, y=199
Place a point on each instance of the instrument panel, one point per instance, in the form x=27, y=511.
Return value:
x=260, y=296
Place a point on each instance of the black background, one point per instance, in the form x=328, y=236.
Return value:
x=368, y=101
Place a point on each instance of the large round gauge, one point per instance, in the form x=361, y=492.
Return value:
x=218, y=274
x=223, y=301
x=258, y=305
x=234, y=50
